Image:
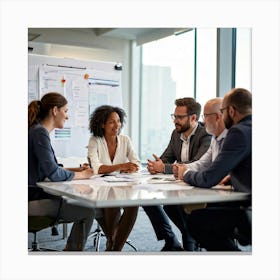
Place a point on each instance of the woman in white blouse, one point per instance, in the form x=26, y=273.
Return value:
x=108, y=151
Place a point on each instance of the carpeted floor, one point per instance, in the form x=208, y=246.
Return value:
x=142, y=237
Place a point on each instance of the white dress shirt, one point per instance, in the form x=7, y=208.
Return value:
x=186, y=145
x=210, y=155
x=99, y=154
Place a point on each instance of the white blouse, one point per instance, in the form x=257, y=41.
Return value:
x=99, y=154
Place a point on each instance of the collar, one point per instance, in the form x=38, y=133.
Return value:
x=222, y=135
x=246, y=118
x=184, y=138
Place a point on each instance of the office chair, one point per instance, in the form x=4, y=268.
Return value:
x=36, y=224
x=98, y=233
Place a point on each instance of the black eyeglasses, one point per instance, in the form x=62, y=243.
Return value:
x=178, y=117
x=205, y=115
x=222, y=109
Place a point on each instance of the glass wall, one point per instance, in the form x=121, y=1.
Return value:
x=206, y=64
x=180, y=66
x=243, y=72
x=167, y=74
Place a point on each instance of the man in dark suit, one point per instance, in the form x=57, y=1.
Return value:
x=189, y=141
x=214, y=226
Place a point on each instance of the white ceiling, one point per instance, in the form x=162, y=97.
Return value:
x=65, y=35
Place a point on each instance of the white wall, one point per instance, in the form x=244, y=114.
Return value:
x=66, y=44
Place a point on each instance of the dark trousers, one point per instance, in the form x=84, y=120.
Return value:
x=160, y=222
x=159, y=217
x=215, y=227
x=181, y=219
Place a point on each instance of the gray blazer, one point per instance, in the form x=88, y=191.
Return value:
x=199, y=144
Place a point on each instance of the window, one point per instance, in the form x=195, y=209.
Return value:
x=167, y=74
x=206, y=64
x=185, y=66
x=243, y=68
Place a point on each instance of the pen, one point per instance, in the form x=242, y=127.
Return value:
x=89, y=162
x=156, y=157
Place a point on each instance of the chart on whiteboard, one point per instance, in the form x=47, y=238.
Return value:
x=85, y=84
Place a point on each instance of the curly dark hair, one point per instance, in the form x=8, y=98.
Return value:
x=99, y=117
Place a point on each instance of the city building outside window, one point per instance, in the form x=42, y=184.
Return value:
x=167, y=74
x=182, y=66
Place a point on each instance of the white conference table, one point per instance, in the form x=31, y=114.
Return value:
x=122, y=190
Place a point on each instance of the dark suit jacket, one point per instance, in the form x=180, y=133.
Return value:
x=199, y=144
x=235, y=159
x=42, y=163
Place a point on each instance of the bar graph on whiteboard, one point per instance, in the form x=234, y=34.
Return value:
x=62, y=134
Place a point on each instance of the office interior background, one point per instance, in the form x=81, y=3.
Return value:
x=17, y=17
x=159, y=65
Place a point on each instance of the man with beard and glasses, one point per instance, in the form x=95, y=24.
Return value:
x=189, y=141
x=214, y=227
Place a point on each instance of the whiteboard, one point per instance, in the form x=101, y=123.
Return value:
x=85, y=84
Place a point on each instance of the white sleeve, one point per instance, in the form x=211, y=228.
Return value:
x=93, y=154
x=203, y=162
x=131, y=154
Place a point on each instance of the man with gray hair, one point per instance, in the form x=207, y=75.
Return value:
x=213, y=227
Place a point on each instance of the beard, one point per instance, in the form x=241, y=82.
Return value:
x=228, y=122
x=209, y=130
x=183, y=128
